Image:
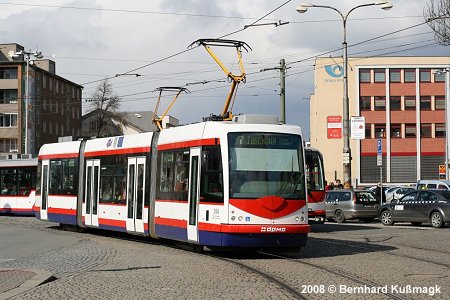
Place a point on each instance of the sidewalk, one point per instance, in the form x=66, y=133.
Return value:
x=15, y=281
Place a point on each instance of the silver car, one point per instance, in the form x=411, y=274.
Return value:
x=396, y=193
x=345, y=204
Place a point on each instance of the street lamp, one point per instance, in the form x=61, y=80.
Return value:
x=27, y=55
x=302, y=8
x=446, y=71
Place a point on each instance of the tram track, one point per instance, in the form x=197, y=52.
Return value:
x=340, y=273
x=446, y=265
x=271, y=278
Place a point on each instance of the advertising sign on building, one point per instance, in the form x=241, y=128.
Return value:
x=334, y=127
x=442, y=171
x=358, y=128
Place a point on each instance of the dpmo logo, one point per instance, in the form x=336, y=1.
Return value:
x=335, y=71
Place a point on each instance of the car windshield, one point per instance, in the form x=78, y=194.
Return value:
x=263, y=164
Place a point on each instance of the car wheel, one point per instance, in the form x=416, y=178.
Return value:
x=386, y=218
x=339, y=216
x=437, y=220
x=416, y=223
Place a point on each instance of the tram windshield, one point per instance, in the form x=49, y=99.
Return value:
x=314, y=170
x=263, y=164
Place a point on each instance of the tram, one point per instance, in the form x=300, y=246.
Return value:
x=17, y=186
x=316, y=185
x=218, y=184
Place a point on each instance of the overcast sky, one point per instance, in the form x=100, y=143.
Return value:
x=91, y=40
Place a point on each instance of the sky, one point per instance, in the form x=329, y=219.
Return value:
x=94, y=40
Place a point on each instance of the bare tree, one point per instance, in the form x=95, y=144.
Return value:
x=437, y=15
x=104, y=109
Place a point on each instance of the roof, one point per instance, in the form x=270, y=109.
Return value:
x=141, y=120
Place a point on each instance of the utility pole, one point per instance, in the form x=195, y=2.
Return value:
x=282, y=68
x=283, y=90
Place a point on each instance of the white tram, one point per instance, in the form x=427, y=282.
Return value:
x=17, y=186
x=217, y=184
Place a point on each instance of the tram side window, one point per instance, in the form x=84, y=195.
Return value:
x=173, y=172
x=113, y=174
x=26, y=179
x=211, y=185
x=63, y=176
x=8, y=180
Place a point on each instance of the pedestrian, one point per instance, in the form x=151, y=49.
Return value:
x=338, y=184
x=347, y=185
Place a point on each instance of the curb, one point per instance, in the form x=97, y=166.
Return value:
x=39, y=278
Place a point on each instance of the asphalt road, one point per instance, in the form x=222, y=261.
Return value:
x=341, y=261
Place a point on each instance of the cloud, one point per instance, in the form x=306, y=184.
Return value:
x=114, y=37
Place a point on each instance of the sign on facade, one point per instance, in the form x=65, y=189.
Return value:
x=358, y=128
x=334, y=127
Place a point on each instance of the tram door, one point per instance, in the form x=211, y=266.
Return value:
x=92, y=192
x=135, y=194
x=194, y=193
x=44, y=189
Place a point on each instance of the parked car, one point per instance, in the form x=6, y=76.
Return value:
x=397, y=192
x=417, y=207
x=433, y=184
x=345, y=204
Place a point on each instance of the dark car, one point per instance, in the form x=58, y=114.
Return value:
x=418, y=207
x=345, y=204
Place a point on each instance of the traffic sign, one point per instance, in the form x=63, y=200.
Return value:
x=379, y=153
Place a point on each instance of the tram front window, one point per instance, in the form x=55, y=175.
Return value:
x=263, y=164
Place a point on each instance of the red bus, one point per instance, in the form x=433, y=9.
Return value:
x=315, y=178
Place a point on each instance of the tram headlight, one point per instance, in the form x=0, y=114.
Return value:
x=297, y=218
x=240, y=218
x=233, y=218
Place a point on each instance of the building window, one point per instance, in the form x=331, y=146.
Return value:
x=396, y=131
x=395, y=103
x=439, y=130
x=44, y=81
x=425, y=103
x=380, y=103
x=8, y=145
x=425, y=75
x=380, y=75
x=8, y=73
x=364, y=103
x=439, y=76
x=8, y=96
x=410, y=75
x=380, y=130
x=425, y=130
x=364, y=75
x=8, y=120
x=410, y=130
x=410, y=102
x=368, y=130
x=439, y=102
x=394, y=75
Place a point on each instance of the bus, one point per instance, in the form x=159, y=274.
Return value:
x=17, y=186
x=316, y=185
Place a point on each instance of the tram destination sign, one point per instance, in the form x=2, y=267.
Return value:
x=264, y=140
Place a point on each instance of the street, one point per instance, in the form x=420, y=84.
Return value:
x=341, y=261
